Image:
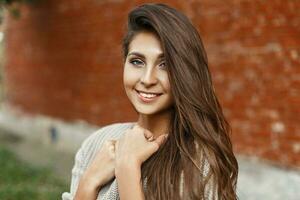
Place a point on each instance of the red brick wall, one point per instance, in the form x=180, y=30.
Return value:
x=254, y=51
x=63, y=59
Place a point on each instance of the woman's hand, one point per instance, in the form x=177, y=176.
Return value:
x=99, y=172
x=132, y=149
x=137, y=145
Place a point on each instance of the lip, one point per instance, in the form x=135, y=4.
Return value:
x=148, y=92
x=147, y=100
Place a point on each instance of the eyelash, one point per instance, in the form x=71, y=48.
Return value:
x=134, y=60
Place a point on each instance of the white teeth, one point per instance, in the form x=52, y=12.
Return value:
x=148, y=95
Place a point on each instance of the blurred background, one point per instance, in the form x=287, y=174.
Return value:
x=61, y=79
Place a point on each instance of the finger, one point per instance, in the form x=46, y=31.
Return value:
x=151, y=139
x=148, y=135
x=112, y=146
x=161, y=139
x=139, y=128
x=113, y=142
x=136, y=126
x=108, y=143
x=116, y=145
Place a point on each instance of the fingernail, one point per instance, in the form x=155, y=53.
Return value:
x=166, y=136
x=151, y=138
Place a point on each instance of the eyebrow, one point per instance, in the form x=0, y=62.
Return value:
x=161, y=55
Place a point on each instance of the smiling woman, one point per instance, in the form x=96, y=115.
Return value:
x=145, y=76
x=179, y=148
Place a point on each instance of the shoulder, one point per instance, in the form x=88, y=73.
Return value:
x=112, y=131
x=93, y=142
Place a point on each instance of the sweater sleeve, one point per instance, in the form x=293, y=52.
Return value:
x=85, y=155
x=80, y=165
x=77, y=172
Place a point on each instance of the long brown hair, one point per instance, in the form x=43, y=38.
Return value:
x=198, y=145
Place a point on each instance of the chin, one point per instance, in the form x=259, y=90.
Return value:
x=146, y=111
x=151, y=110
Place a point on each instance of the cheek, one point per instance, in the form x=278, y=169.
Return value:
x=167, y=88
x=167, y=85
x=130, y=77
x=165, y=82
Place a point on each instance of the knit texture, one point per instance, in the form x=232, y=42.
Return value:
x=86, y=154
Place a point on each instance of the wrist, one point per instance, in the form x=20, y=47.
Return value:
x=130, y=162
x=87, y=189
x=123, y=167
x=90, y=183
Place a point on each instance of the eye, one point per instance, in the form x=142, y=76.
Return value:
x=136, y=62
x=163, y=65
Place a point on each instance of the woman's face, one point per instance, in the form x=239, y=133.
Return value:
x=145, y=75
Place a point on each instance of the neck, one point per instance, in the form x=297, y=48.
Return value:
x=158, y=124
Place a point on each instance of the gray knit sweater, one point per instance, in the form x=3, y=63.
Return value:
x=86, y=154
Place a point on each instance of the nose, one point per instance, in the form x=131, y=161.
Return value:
x=149, y=77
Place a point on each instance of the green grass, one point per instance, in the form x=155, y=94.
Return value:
x=18, y=180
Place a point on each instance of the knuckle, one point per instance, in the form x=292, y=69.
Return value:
x=149, y=133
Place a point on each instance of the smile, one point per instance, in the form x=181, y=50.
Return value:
x=147, y=97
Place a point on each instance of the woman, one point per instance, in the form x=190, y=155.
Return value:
x=179, y=147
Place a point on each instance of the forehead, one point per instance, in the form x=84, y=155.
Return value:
x=146, y=43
